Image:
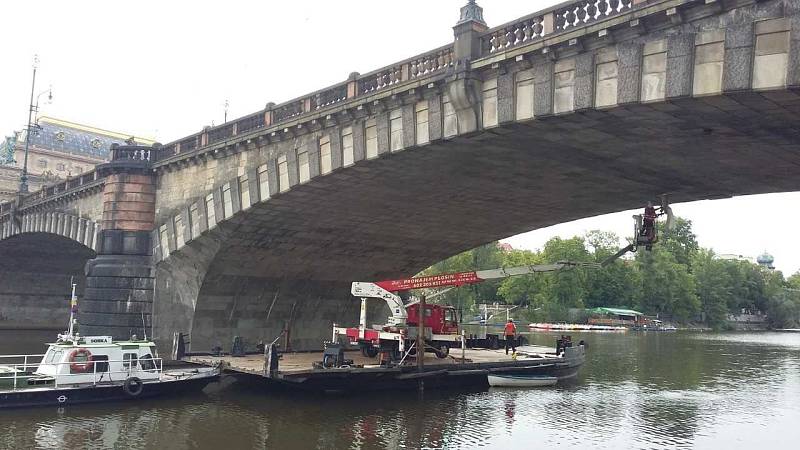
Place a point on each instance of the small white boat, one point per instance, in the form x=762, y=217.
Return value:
x=574, y=327
x=83, y=369
x=521, y=380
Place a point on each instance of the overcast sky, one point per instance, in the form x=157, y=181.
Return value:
x=164, y=69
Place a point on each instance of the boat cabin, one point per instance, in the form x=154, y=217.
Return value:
x=96, y=359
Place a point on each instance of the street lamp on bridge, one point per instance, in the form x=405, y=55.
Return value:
x=33, y=107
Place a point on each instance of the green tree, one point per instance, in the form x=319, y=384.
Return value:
x=783, y=304
x=667, y=286
x=566, y=288
x=680, y=241
x=794, y=280
x=784, y=309
x=524, y=290
x=714, y=285
x=618, y=283
x=602, y=242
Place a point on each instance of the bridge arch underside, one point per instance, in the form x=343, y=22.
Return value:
x=291, y=259
x=35, y=274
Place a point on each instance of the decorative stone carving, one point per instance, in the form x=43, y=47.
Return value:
x=471, y=13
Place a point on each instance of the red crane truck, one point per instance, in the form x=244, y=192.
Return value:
x=441, y=322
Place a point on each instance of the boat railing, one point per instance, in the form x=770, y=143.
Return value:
x=20, y=372
x=27, y=360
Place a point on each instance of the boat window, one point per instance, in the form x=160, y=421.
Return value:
x=100, y=363
x=146, y=362
x=129, y=360
x=449, y=315
x=153, y=351
x=55, y=357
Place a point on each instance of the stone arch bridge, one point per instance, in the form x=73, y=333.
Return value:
x=259, y=225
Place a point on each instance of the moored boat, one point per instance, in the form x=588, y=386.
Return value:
x=575, y=327
x=82, y=369
x=79, y=369
x=521, y=380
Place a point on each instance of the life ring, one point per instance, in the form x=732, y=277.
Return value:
x=81, y=361
x=133, y=386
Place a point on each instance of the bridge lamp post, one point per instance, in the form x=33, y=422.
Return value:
x=33, y=107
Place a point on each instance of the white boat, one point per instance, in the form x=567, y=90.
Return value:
x=575, y=327
x=83, y=369
x=521, y=380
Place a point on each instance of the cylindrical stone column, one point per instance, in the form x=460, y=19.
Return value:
x=119, y=282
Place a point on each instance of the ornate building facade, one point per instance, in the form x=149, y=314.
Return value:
x=58, y=150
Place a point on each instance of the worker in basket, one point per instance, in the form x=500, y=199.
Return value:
x=510, y=333
x=647, y=234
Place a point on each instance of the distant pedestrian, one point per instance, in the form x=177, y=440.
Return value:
x=510, y=333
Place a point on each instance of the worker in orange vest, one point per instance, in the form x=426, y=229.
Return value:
x=510, y=332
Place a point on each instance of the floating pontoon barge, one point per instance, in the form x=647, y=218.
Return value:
x=303, y=371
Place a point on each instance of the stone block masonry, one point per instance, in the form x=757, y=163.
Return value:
x=120, y=281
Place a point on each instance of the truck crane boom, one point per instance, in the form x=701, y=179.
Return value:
x=385, y=289
x=441, y=320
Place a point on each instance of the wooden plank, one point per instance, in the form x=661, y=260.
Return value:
x=418, y=375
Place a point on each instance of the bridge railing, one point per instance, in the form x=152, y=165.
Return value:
x=557, y=19
x=584, y=12
x=521, y=31
x=562, y=17
x=428, y=64
x=132, y=153
x=84, y=180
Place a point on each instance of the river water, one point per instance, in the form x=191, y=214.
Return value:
x=649, y=391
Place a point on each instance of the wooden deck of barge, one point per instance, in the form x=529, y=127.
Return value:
x=296, y=370
x=301, y=362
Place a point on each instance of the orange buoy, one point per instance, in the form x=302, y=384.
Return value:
x=81, y=361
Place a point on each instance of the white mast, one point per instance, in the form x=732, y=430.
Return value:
x=73, y=307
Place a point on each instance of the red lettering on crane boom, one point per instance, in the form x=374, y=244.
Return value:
x=445, y=279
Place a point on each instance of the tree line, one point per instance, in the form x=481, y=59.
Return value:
x=678, y=281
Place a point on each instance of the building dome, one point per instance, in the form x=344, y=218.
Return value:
x=765, y=259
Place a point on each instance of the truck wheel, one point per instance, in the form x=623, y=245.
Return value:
x=397, y=355
x=443, y=351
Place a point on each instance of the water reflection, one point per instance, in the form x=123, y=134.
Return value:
x=636, y=391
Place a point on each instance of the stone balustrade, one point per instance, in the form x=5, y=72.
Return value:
x=516, y=33
x=428, y=64
x=563, y=17
x=288, y=110
x=585, y=12
x=330, y=96
x=89, y=181
x=250, y=123
x=131, y=153
x=73, y=185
